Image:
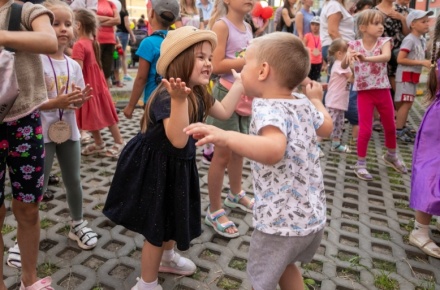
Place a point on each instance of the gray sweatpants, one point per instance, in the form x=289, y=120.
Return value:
x=69, y=158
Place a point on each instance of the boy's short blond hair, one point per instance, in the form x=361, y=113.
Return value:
x=287, y=56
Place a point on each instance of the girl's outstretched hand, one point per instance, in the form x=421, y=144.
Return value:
x=206, y=134
x=176, y=88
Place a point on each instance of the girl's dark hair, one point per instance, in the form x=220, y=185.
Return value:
x=435, y=55
x=89, y=26
x=123, y=8
x=281, y=23
x=182, y=67
x=337, y=45
x=362, y=3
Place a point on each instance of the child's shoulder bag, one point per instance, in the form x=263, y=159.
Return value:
x=9, y=89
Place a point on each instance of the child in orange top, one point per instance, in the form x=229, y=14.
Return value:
x=313, y=42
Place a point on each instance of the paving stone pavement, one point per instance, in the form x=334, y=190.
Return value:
x=365, y=245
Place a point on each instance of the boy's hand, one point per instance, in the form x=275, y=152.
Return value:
x=176, y=88
x=314, y=91
x=206, y=134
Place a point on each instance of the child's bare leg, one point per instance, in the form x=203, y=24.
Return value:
x=355, y=132
x=216, y=175
x=291, y=279
x=150, y=261
x=402, y=114
x=97, y=137
x=114, y=130
x=235, y=170
x=28, y=237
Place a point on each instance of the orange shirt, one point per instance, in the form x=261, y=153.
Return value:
x=315, y=48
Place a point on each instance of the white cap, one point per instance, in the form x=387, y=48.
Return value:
x=417, y=14
x=315, y=19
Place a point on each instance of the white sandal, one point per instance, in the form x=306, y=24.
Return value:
x=113, y=151
x=14, y=258
x=93, y=149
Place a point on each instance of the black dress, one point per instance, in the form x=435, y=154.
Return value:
x=155, y=190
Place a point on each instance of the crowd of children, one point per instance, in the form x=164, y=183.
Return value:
x=254, y=100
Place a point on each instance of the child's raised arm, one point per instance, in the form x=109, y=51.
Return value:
x=224, y=109
x=221, y=64
x=314, y=93
x=268, y=147
x=179, y=117
x=41, y=40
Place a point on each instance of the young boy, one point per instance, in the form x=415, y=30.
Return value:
x=161, y=15
x=313, y=42
x=410, y=61
x=290, y=208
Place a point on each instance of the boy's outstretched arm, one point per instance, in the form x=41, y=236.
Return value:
x=314, y=93
x=267, y=148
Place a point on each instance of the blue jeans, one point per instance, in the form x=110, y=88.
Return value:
x=352, y=113
x=123, y=38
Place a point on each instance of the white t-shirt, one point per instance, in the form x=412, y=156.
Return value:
x=346, y=26
x=289, y=195
x=416, y=49
x=74, y=76
x=84, y=4
x=338, y=89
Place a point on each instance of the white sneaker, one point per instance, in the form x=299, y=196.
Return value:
x=84, y=236
x=187, y=268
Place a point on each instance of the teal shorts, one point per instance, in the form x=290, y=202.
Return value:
x=235, y=122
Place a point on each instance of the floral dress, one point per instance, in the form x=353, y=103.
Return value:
x=393, y=28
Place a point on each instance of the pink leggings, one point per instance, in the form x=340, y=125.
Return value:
x=367, y=101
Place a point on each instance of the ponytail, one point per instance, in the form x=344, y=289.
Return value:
x=220, y=10
x=435, y=55
x=97, y=51
x=89, y=27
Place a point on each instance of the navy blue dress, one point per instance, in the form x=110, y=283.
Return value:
x=155, y=190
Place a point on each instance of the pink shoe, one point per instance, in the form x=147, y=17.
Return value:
x=43, y=284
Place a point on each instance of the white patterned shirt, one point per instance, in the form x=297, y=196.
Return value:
x=289, y=195
x=370, y=75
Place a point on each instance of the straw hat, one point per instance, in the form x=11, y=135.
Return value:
x=178, y=40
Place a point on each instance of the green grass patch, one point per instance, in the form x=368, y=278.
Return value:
x=6, y=229
x=384, y=282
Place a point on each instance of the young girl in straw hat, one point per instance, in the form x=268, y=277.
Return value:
x=155, y=190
